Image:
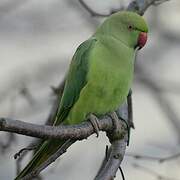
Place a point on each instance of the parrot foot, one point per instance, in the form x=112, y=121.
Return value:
x=128, y=129
x=95, y=123
x=115, y=120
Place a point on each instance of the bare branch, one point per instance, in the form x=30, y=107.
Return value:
x=80, y=131
x=29, y=148
x=158, y=159
x=20, y=155
x=153, y=173
x=140, y=6
x=96, y=14
x=172, y=157
x=158, y=2
x=112, y=162
x=117, y=152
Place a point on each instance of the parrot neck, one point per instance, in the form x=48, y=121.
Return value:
x=111, y=39
x=106, y=30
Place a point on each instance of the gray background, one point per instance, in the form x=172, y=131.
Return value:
x=37, y=41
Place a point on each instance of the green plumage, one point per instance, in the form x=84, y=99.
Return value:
x=99, y=77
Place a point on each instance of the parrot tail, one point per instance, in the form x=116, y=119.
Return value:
x=48, y=148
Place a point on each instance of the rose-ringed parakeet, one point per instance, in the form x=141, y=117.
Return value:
x=99, y=77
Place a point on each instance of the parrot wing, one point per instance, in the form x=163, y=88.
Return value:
x=76, y=79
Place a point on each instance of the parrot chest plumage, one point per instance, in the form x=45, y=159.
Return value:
x=108, y=81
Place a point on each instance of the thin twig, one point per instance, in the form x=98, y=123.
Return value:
x=50, y=160
x=153, y=173
x=158, y=2
x=158, y=159
x=18, y=154
x=22, y=153
x=169, y=158
x=140, y=6
x=122, y=174
x=94, y=13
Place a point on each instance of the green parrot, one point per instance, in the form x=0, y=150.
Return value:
x=99, y=77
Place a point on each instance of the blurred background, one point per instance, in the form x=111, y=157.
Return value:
x=37, y=41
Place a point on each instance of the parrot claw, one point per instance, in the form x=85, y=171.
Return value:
x=115, y=120
x=94, y=121
x=128, y=129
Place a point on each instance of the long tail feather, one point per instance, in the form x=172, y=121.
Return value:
x=48, y=148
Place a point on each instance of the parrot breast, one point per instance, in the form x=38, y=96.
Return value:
x=109, y=79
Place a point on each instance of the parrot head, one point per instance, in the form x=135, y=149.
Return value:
x=127, y=27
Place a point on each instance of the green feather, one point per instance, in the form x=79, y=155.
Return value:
x=76, y=79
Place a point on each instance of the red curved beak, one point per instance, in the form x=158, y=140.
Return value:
x=142, y=39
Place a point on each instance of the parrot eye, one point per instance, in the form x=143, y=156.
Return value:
x=130, y=28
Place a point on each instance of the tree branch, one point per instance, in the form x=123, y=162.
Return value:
x=157, y=175
x=80, y=131
x=140, y=6
x=158, y=159
x=96, y=14
x=113, y=160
